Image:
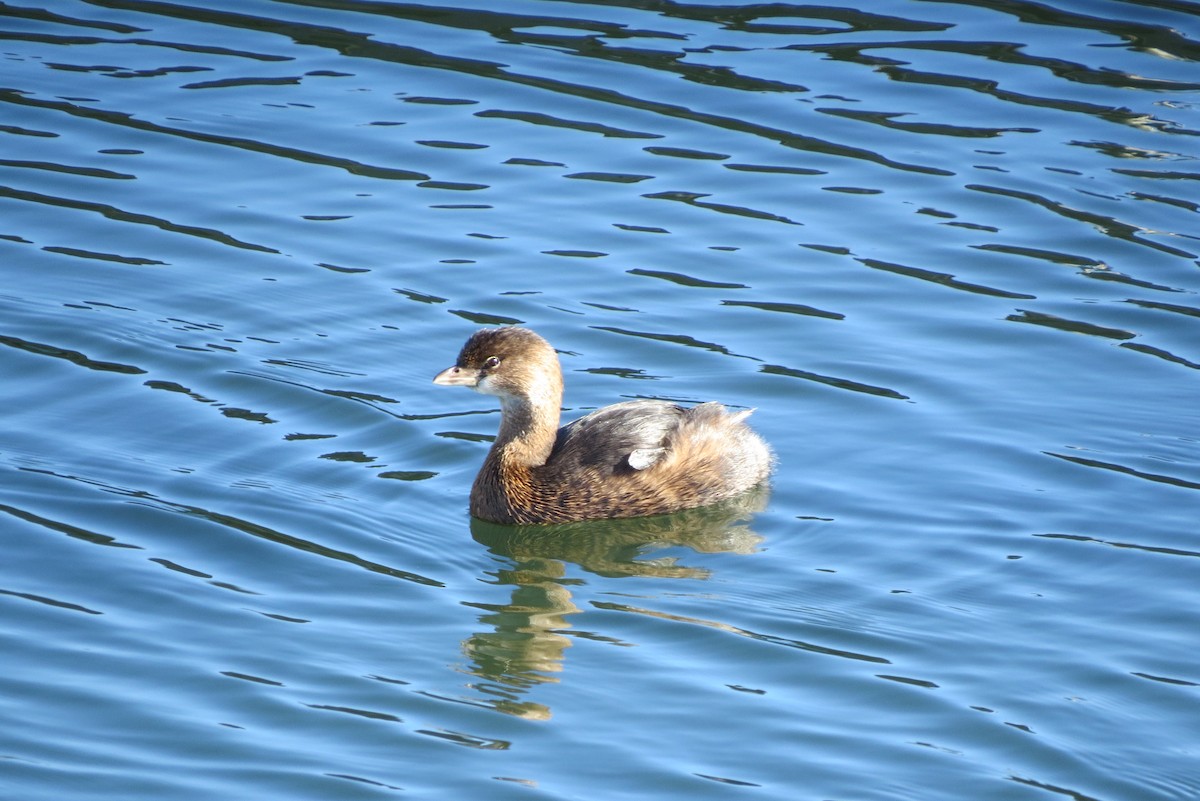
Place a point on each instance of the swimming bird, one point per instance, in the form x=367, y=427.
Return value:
x=635, y=458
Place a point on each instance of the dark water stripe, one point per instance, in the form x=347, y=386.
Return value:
x=88, y=172
x=682, y=279
x=1129, y=471
x=786, y=308
x=81, y=253
x=73, y=356
x=1135, y=546
x=41, y=15
x=678, y=339
x=1165, y=355
x=85, y=41
x=253, y=145
x=1190, y=311
x=41, y=599
x=66, y=528
x=892, y=121
x=1107, y=225
x=840, y=383
x=1064, y=324
x=945, y=279
x=695, y=199
x=120, y=215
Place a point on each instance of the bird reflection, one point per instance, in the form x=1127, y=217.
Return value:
x=523, y=645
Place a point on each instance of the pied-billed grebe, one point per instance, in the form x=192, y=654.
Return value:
x=640, y=457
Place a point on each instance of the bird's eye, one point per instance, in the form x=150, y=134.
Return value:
x=492, y=361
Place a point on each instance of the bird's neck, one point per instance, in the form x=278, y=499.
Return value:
x=528, y=428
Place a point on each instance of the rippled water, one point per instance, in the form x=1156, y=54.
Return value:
x=949, y=250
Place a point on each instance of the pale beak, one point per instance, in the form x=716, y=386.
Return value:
x=457, y=377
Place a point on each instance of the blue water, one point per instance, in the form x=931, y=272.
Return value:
x=949, y=251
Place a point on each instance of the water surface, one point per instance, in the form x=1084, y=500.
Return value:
x=949, y=251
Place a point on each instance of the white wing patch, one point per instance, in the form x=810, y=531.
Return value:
x=642, y=458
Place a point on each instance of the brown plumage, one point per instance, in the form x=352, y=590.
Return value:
x=636, y=458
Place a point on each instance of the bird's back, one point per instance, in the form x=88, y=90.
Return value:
x=645, y=457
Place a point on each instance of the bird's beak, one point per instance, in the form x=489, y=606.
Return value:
x=457, y=377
